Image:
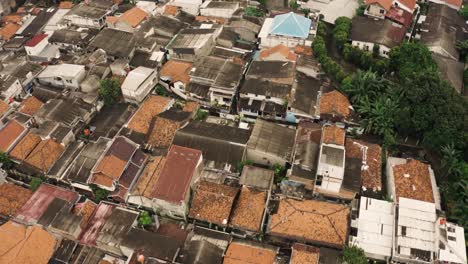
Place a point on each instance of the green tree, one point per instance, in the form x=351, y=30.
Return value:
x=280, y=172
x=98, y=193
x=365, y=85
x=201, y=114
x=109, y=90
x=5, y=162
x=410, y=58
x=462, y=47
x=293, y=4
x=241, y=165
x=341, y=31
x=354, y=255
x=464, y=12
x=144, y=219
x=160, y=90
x=321, y=29
x=35, y=183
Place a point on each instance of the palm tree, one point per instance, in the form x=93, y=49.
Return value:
x=366, y=84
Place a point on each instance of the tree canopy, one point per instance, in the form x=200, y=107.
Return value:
x=144, y=219
x=354, y=255
x=109, y=90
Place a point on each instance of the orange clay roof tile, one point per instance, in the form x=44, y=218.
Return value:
x=281, y=49
x=85, y=210
x=371, y=155
x=31, y=105
x=12, y=18
x=134, y=16
x=112, y=19
x=150, y=108
x=335, y=103
x=333, y=135
x=213, y=203
x=243, y=253
x=45, y=154
x=148, y=179
x=66, y=5
x=9, y=134
x=12, y=198
x=163, y=132
x=303, y=50
x=178, y=71
x=3, y=108
x=171, y=10
x=249, y=209
x=9, y=30
x=313, y=221
x=413, y=181
x=190, y=107
x=25, y=146
x=304, y=254
x=25, y=245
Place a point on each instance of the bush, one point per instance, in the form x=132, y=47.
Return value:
x=201, y=115
x=5, y=162
x=253, y=11
x=160, y=90
x=464, y=12
x=35, y=183
x=341, y=31
x=321, y=29
x=145, y=219
x=99, y=194
x=109, y=90
x=364, y=59
x=332, y=68
x=293, y=4
x=241, y=165
x=354, y=255
x=360, y=10
x=280, y=172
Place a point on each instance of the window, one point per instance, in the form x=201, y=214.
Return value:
x=319, y=180
x=382, y=11
x=451, y=229
x=452, y=238
x=403, y=231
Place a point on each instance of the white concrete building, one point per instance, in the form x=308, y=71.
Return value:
x=139, y=83
x=39, y=49
x=374, y=228
x=63, y=76
x=189, y=6
x=288, y=29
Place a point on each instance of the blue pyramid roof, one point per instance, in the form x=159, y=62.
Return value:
x=292, y=25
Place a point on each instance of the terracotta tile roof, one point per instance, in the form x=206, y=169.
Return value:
x=191, y=107
x=249, y=209
x=213, y=202
x=386, y=4
x=171, y=10
x=12, y=18
x=281, y=49
x=335, y=103
x=25, y=146
x=456, y=3
x=85, y=210
x=110, y=166
x=102, y=179
x=413, y=181
x=151, y=107
x=9, y=30
x=3, y=108
x=333, y=135
x=218, y=20
x=31, y=105
x=163, y=132
x=112, y=19
x=25, y=245
x=178, y=71
x=411, y=4
x=303, y=50
x=176, y=176
x=304, y=254
x=134, y=16
x=243, y=253
x=66, y=5
x=148, y=179
x=9, y=134
x=314, y=221
x=45, y=154
x=12, y=198
x=371, y=155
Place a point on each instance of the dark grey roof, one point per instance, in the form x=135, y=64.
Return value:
x=141, y=58
x=253, y=106
x=64, y=252
x=199, y=89
x=65, y=160
x=66, y=222
x=39, y=22
x=15, y=43
x=257, y=177
x=445, y=27
x=215, y=141
x=185, y=17
x=52, y=210
x=266, y=88
x=88, y=11
x=273, y=108
x=273, y=139
x=114, y=42
x=305, y=92
x=65, y=111
x=152, y=244
x=452, y=71
x=110, y=119
x=201, y=252
x=352, y=176
x=81, y=167
x=227, y=53
x=217, y=71
x=380, y=31
x=223, y=5
x=175, y=115
x=117, y=226
x=271, y=69
x=87, y=255
x=71, y=36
